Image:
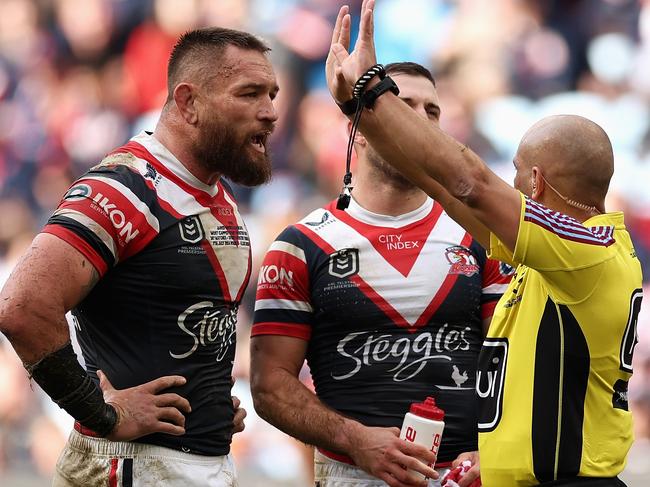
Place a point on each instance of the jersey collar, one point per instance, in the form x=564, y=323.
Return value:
x=164, y=155
x=358, y=212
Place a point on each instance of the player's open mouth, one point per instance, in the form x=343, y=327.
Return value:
x=259, y=140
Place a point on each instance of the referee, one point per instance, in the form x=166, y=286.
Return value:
x=554, y=369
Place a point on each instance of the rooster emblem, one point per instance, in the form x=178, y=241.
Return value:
x=458, y=378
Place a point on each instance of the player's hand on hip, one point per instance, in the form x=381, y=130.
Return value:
x=146, y=409
x=380, y=452
x=240, y=413
x=343, y=68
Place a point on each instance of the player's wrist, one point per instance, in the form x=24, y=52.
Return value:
x=63, y=379
x=350, y=437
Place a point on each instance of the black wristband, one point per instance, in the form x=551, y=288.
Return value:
x=63, y=379
x=386, y=84
x=360, y=85
x=349, y=107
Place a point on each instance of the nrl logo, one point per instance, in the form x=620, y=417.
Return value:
x=344, y=263
x=191, y=230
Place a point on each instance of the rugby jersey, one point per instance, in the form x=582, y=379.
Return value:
x=174, y=259
x=391, y=307
x=555, y=365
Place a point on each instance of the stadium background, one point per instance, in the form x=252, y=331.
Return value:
x=78, y=77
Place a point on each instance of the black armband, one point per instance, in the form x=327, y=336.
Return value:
x=63, y=379
x=349, y=107
x=369, y=96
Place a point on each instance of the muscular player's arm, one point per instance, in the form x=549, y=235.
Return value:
x=50, y=279
x=281, y=399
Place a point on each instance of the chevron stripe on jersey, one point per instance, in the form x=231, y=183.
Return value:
x=227, y=239
x=391, y=309
x=417, y=294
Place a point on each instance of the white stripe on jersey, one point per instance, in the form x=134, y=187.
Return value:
x=230, y=257
x=172, y=194
x=91, y=225
x=185, y=203
x=133, y=199
x=285, y=304
x=290, y=249
x=162, y=154
x=495, y=288
x=411, y=295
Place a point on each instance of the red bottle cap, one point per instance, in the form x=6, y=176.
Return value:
x=427, y=409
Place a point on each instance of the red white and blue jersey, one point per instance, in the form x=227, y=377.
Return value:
x=174, y=259
x=392, y=308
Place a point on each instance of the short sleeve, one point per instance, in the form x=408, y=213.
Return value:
x=558, y=246
x=106, y=215
x=282, y=302
x=496, y=277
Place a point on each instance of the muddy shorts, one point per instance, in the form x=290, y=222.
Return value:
x=91, y=462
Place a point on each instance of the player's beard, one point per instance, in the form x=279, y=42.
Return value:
x=388, y=172
x=220, y=149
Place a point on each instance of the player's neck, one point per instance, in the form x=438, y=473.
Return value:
x=382, y=197
x=176, y=143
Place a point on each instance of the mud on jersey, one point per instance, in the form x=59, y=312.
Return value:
x=174, y=259
x=391, y=307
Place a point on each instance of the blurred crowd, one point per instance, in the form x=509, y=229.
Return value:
x=79, y=77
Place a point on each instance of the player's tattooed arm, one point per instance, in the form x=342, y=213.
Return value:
x=93, y=278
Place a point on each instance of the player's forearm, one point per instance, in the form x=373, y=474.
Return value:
x=422, y=151
x=32, y=332
x=282, y=400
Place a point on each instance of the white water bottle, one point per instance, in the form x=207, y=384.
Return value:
x=423, y=424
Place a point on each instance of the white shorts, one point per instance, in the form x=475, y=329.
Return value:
x=331, y=473
x=93, y=462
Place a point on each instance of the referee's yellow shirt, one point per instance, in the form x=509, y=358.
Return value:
x=554, y=368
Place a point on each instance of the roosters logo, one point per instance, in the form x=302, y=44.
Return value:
x=462, y=261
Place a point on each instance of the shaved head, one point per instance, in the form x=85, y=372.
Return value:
x=573, y=153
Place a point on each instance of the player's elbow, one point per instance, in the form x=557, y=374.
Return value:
x=9, y=318
x=263, y=396
x=470, y=186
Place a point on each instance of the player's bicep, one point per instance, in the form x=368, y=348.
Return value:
x=273, y=352
x=52, y=275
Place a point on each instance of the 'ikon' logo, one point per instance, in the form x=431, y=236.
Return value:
x=114, y=214
x=344, y=263
x=270, y=274
x=190, y=229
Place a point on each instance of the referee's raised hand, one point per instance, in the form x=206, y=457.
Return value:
x=146, y=409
